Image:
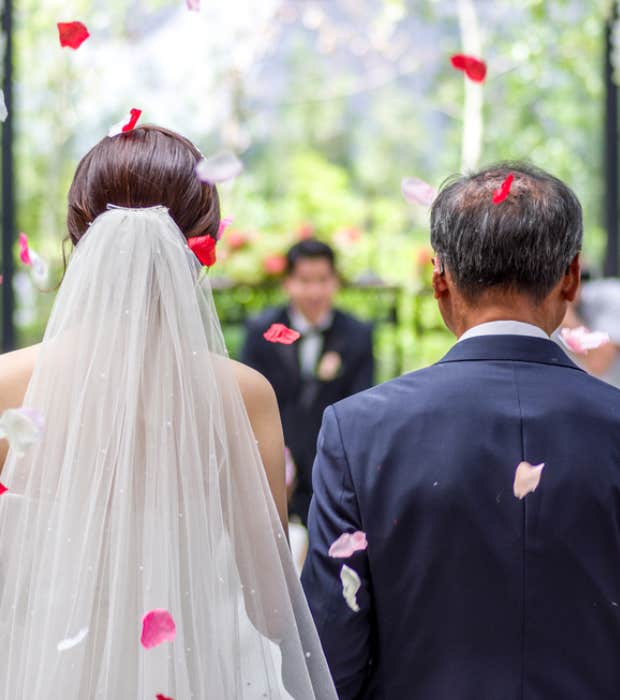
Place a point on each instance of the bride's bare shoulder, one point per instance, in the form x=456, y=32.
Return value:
x=15, y=371
x=255, y=389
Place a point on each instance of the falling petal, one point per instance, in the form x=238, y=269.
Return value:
x=527, y=478
x=474, y=68
x=72, y=34
x=24, y=249
x=71, y=642
x=22, y=427
x=193, y=5
x=500, y=194
x=39, y=268
x=416, y=191
x=127, y=124
x=290, y=470
x=219, y=168
x=159, y=696
x=224, y=224
x=351, y=584
x=3, y=489
x=279, y=333
x=4, y=113
x=580, y=340
x=157, y=627
x=347, y=544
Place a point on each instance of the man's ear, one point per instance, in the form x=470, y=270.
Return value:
x=439, y=282
x=570, y=283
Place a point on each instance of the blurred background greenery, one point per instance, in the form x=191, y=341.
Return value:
x=329, y=104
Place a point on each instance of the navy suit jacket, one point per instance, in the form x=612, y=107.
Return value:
x=467, y=592
x=303, y=400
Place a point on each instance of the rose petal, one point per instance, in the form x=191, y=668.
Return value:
x=279, y=333
x=157, y=627
x=289, y=468
x=127, y=124
x=193, y=5
x=159, y=696
x=347, y=544
x=351, y=584
x=580, y=340
x=203, y=248
x=4, y=113
x=473, y=67
x=500, y=194
x=22, y=427
x=219, y=168
x=39, y=269
x=3, y=489
x=24, y=250
x=71, y=642
x=224, y=224
x=527, y=478
x=72, y=34
x=416, y=191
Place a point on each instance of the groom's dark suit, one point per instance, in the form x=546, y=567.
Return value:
x=467, y=592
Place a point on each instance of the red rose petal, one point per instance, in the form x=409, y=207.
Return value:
x=160, y=696
x=503, y=191
x=279, y=333
x=72, y=34
x=157, y=627
x=134, y=115
x=473, y=67
x=3, y=489
x=203, y=248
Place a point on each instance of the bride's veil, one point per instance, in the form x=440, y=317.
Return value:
x=146, y=491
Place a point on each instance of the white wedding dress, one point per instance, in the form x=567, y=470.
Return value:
x=146, y=491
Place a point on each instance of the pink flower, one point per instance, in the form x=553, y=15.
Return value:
x=157, y=627
x=304, y=231
x=416, y=191
x=274, y=264
x=580, y=340
x=527, y=478
x=347, y=544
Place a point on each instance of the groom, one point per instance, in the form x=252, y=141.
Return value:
x=467, y=592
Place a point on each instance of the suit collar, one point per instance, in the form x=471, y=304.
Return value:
x=509, y=347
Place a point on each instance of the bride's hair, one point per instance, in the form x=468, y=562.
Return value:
x=143, y=168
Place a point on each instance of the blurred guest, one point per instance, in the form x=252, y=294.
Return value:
x=598, y=308
x=332, y=360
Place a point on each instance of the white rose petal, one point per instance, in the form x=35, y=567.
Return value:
x=527, y=478
x=351, y=584
x=219, y=168
x=22, y=427
x=71, y=642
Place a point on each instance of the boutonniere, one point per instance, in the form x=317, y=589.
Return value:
x=329, y=366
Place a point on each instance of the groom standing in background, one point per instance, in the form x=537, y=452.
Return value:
x=332, y=360
x=465, y=591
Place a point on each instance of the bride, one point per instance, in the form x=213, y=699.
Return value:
x=157, y=482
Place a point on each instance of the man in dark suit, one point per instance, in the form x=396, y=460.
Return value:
x=332, y=360
x=467, y=592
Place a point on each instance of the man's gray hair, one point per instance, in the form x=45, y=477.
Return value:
x=525, y=243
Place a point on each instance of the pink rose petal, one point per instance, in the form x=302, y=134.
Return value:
x=24, y=250
x=347, y=544
x=193, y=5
x=527, y=478
x=224, y=224
x=580, y=340
x=416, y=191
x=157, y=627
x=3, y=489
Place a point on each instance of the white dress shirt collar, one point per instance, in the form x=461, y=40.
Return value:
x=504, y=328
x=300, y=323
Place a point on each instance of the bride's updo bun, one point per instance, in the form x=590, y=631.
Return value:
x=143, y=168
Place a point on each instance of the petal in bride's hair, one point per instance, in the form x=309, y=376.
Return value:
x=127, y=124
x=416, y=191
x=157, y=627
x=22, y=427
x=351, y=583
x=347, y=544
x=219, y=168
